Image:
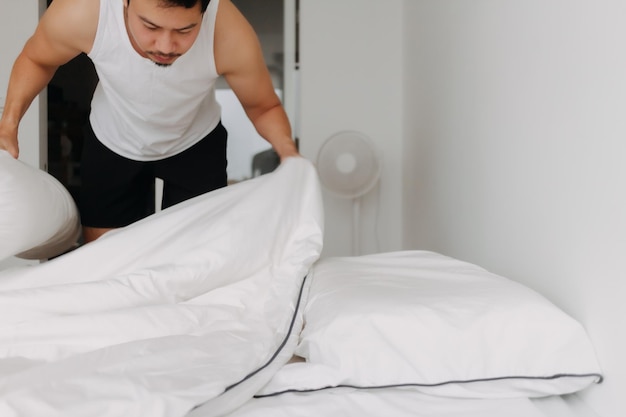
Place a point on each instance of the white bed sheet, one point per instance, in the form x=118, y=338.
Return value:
x=399, y=402
x=380, y=403
x=187, y=307
x=564, y=406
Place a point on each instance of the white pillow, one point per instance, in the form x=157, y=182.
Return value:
x=38, y=217
x=446, y=327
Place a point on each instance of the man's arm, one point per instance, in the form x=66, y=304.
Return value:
x=65, y=30
x=239, y=59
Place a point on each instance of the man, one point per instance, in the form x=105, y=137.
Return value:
x=154, y=112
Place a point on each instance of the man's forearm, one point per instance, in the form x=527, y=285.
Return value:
x=273, y=125
x=26, y=82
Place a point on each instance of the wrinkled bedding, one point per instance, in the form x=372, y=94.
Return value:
x=196, y=306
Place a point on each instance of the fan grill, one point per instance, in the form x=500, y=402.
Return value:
x=348, y=165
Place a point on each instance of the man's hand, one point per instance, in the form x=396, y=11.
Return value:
x=8, y=141
x=10, y=147
x=286, y=149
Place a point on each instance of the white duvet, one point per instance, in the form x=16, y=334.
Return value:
x=194, y=306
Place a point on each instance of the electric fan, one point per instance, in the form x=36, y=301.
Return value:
x=349, y=167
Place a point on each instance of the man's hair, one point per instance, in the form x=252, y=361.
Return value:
x=188, y=4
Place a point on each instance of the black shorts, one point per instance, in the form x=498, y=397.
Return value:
x=116, y=191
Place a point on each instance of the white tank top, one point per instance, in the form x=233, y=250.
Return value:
x=146, y=112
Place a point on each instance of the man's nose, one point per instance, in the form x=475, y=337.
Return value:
x=166, y=43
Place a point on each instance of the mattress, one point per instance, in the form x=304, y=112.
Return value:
x=379, y=403
x=403, y=403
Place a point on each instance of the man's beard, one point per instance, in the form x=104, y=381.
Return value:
x=155, y=55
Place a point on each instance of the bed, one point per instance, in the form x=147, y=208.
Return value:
x=223, y=306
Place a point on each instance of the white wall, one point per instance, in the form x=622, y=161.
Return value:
x=515, y=153
x=18, y=20
x=351, y=79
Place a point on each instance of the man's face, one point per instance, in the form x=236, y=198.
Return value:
x=161, y=34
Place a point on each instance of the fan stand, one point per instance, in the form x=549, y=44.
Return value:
x=356, y=223
x=349, y=167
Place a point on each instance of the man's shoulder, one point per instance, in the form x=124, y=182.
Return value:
x=235, y=39
x=72, y=22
